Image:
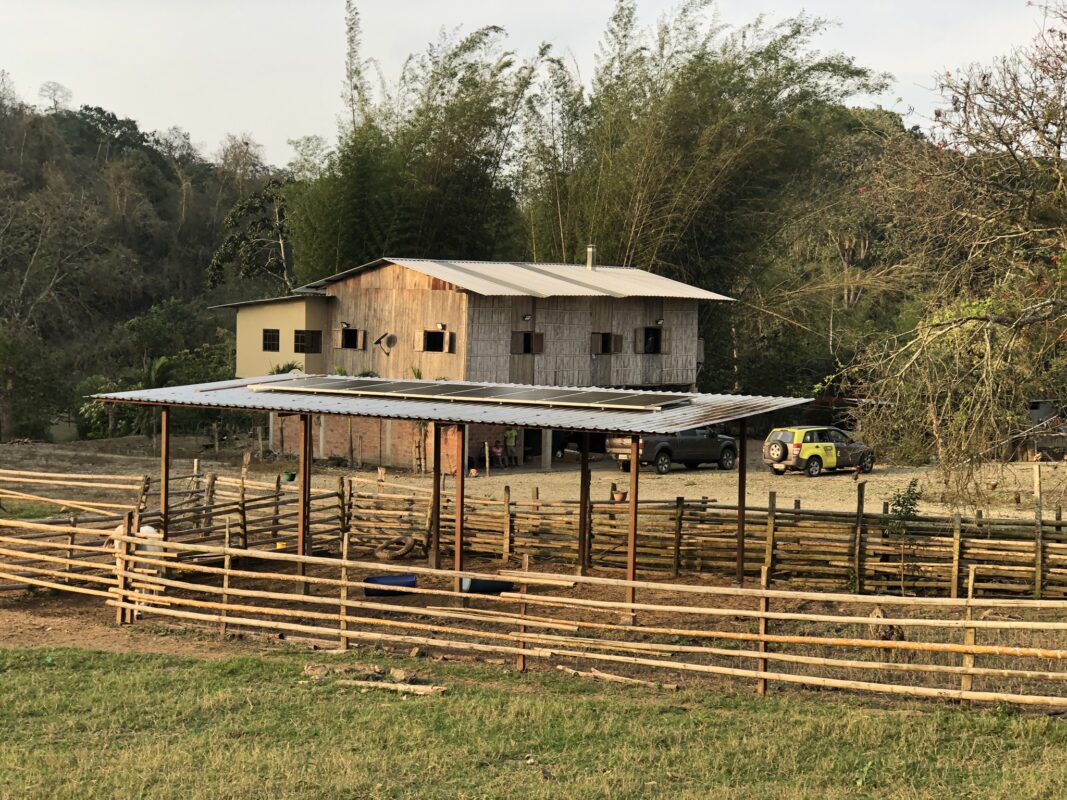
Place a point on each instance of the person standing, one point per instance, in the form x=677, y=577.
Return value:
x=511, y=440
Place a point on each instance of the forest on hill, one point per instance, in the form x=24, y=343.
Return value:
x=919, y=271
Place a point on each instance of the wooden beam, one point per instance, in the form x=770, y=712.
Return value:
x=435, y=502
x=461, y=474
x=583, y=507
x=164, y=469
x=742, y=477
x=631, y=537
x=303, y=506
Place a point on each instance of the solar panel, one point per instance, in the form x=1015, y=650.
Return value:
x=478, y=393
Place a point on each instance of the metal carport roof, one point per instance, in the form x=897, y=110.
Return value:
x=701, y=409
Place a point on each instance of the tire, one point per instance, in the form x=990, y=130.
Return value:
x=624, y=466
x=813, y=469
x=867, y=463
x=663, y=462
x=727, y=459
x=777, y=451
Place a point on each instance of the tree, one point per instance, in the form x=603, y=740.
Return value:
x=257, y=240
x=980, y=221
x=56, y=96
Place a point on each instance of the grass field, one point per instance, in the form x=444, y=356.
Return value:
x=99, y=725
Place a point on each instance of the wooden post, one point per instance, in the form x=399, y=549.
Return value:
x=275, y=522
x=342, y=518
x=487, y=458
x=196, y=477
x=506, y=549
x=967, y=681
x=857, y=553
x=461, y=473
x=227, y=564
x=631, y=533
x=303, y=508
x=164, y=469
x=434, y=550
x=520, y=659
x=242, y=517
x=259, y=441
x=679, y=515
x=954, y=589
x=742, y=477
x=122, y=551
x=351, y=457
x=796, y=504
x=73, y=521
x=209, y=500
x=583, y=506
x=764, y=607
x=342, y=603
x=1039, y=539
x=772, y=512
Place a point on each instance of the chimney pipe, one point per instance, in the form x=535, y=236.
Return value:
x=590, y=257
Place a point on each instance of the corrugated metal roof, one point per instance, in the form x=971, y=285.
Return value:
x=303, y=296
x=530, y=279
x=703, y=409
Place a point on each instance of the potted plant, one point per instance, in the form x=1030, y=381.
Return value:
x=619, y=495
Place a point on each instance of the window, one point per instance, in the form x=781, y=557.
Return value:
x=524, y=342
x=781, y=436
x=307, y=341
x=437, y=342
x=651, y=339
x=272, y=340
x=605, y=343
x=353, y=339
x=813, y=437
x=837, y=437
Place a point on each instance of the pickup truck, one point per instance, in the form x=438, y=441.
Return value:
x=692, y=448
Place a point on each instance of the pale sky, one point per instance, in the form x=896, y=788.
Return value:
x=273, y=68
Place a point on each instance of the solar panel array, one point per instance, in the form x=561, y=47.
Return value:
x=479, y=393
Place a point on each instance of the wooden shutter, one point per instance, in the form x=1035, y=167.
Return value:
x=639, y=340
x=596, y=343
x=338, y=338
x=420, y=341
x=517, y=339
x=700, y=350
x=450, y=345
x=616, y=342
x=538, y=343
x=665, y=340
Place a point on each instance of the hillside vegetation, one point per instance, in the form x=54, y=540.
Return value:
x=918, y=268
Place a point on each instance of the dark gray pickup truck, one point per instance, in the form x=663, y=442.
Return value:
x=692, y=448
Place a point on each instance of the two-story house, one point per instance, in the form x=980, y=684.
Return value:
x=507, y=322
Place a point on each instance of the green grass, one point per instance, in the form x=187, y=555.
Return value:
x=94, y=725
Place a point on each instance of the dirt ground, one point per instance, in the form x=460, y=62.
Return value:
x=832, y=491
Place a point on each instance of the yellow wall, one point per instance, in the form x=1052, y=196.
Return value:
x=287, y=316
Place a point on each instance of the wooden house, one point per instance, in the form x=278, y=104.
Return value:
x=549, y=324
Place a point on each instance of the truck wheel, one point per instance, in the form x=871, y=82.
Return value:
x=727, y=459
x=663, y=463
x=814, y=467
x=867, y=464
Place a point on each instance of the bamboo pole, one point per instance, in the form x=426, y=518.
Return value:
x=631, y=530
x=762, y=630
x=742, y=476
x=461, y=473
x=679, y=516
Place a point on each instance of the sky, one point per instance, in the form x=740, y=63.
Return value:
x=273, y=68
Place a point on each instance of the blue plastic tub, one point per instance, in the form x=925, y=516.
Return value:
x=405, y=581
x=484, y=586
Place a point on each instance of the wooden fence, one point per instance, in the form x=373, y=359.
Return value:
x=804, y=548
x=965, y=649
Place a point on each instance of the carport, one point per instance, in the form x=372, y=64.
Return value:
x=583, y=410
